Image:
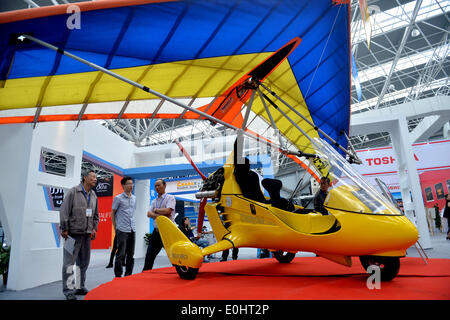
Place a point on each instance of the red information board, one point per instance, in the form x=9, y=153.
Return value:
x=105, y=232
x=103, y=238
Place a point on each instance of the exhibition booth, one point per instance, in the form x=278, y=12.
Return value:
x=250, y=112
x=29, y=203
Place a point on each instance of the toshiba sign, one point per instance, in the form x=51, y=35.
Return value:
x=429, y=156
x=379, y=161
x=432, y=163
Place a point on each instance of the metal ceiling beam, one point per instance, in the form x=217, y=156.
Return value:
x=120, y=130
x=399, y=51
x=431, y=69
x=31, y=3
x=130, y=129
x=151, y=127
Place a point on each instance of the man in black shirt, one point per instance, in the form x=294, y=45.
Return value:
x=320, y=196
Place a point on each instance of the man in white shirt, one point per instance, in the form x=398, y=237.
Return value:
x=163, y=205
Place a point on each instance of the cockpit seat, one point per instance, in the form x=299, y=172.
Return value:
x=248, y=181
x=273, y=187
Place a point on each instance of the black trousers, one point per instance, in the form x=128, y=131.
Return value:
x=113, y=250
x=154, y=247
x=234, y=255
x=448, y=224
x=125, y=247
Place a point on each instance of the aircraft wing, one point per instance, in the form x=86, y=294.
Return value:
x=189, y=50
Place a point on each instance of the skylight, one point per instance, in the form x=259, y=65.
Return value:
x=396, y=18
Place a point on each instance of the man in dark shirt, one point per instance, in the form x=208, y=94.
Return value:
x=320, y=196
x=78, y=222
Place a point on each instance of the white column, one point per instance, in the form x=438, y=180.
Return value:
x=396, y=125
x=142, y=192
x=15, y=157
x=36, y=251
x=409, y=180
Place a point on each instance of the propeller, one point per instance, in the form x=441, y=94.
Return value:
x=201, y=210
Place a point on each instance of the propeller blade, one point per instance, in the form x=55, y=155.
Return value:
x=201, y=215
x=188, y=157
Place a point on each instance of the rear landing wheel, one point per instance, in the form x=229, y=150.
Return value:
x=389, y=266
x=284, y=257
x=186, y=273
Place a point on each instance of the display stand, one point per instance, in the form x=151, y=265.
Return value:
x=421, y=252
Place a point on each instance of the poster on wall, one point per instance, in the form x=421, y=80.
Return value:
x=429, y=194
x=104, y=187
x=185, y=188
x=57, y=195
x=104, y=191
x=183, y=185
x=439, y=190
x=103, y=237
x=434, y=186
x=54, y=197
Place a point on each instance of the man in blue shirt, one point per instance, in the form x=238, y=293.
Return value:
x=122, y=216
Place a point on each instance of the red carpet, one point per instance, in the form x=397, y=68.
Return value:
x=266, y=279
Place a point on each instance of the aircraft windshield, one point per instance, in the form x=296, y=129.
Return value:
x=350, y=191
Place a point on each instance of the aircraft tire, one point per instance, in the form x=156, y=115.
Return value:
x=284, y=257
x=186, y=273
x=389, y=266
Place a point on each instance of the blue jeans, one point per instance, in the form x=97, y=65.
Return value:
x=202, y=243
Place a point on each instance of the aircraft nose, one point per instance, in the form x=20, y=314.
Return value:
x=409, y=232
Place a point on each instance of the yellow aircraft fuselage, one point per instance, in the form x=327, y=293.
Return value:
x=345, y=232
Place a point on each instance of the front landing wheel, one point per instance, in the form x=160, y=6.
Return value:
x=389, y=266
x=186, y=273
x=284, y=257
